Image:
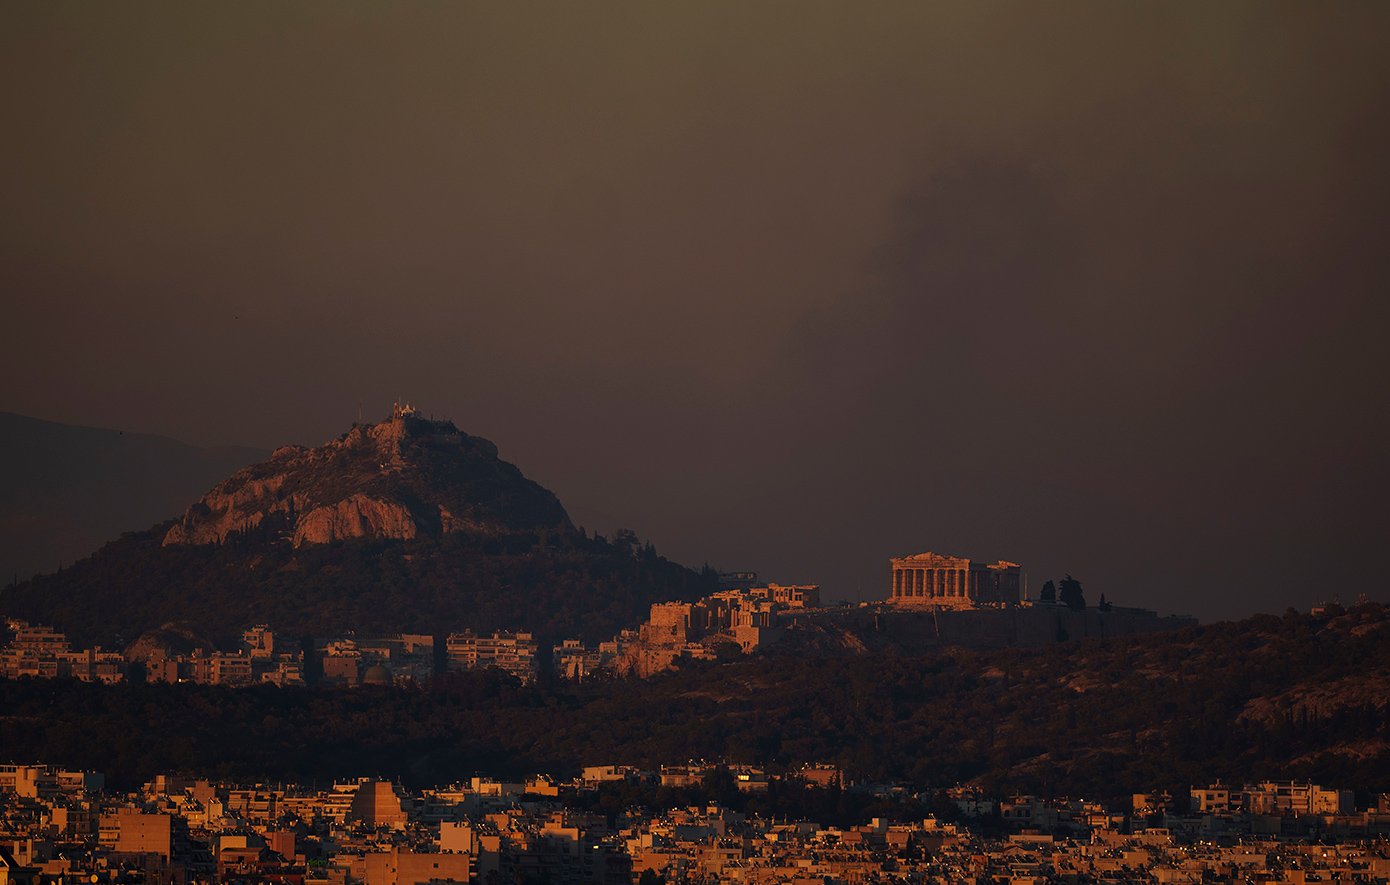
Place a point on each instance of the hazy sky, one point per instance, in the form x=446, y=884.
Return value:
x=1099, y=289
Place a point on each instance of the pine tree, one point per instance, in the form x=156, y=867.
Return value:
x=1070, y=594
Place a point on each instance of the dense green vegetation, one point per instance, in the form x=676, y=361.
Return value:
x=557, y=585
x=1297, y=696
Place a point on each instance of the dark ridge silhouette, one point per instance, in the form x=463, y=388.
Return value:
x=65, y=490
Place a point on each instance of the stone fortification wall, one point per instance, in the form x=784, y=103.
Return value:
x=1034, y=626
x=914, y=631
x=670, y=615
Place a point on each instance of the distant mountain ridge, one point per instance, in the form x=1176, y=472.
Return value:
x=404, y=477
x=66, y=489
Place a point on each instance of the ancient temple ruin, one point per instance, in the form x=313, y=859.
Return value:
x=933, y=579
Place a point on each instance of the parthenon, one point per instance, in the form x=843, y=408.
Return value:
x=929, y=579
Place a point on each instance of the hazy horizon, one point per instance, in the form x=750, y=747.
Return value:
x=795, y=289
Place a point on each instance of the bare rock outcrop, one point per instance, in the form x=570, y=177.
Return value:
x=356, y=517
x=402, y=478
x=174, y=638
x=1368, y=688
x=206, y=524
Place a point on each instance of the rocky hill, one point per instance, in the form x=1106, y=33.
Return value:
x=407, y=525
x=169, y=639
x=402, y=478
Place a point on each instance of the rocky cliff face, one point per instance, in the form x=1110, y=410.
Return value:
x=403, y=478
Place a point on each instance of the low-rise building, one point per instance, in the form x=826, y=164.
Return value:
x=514, y=653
